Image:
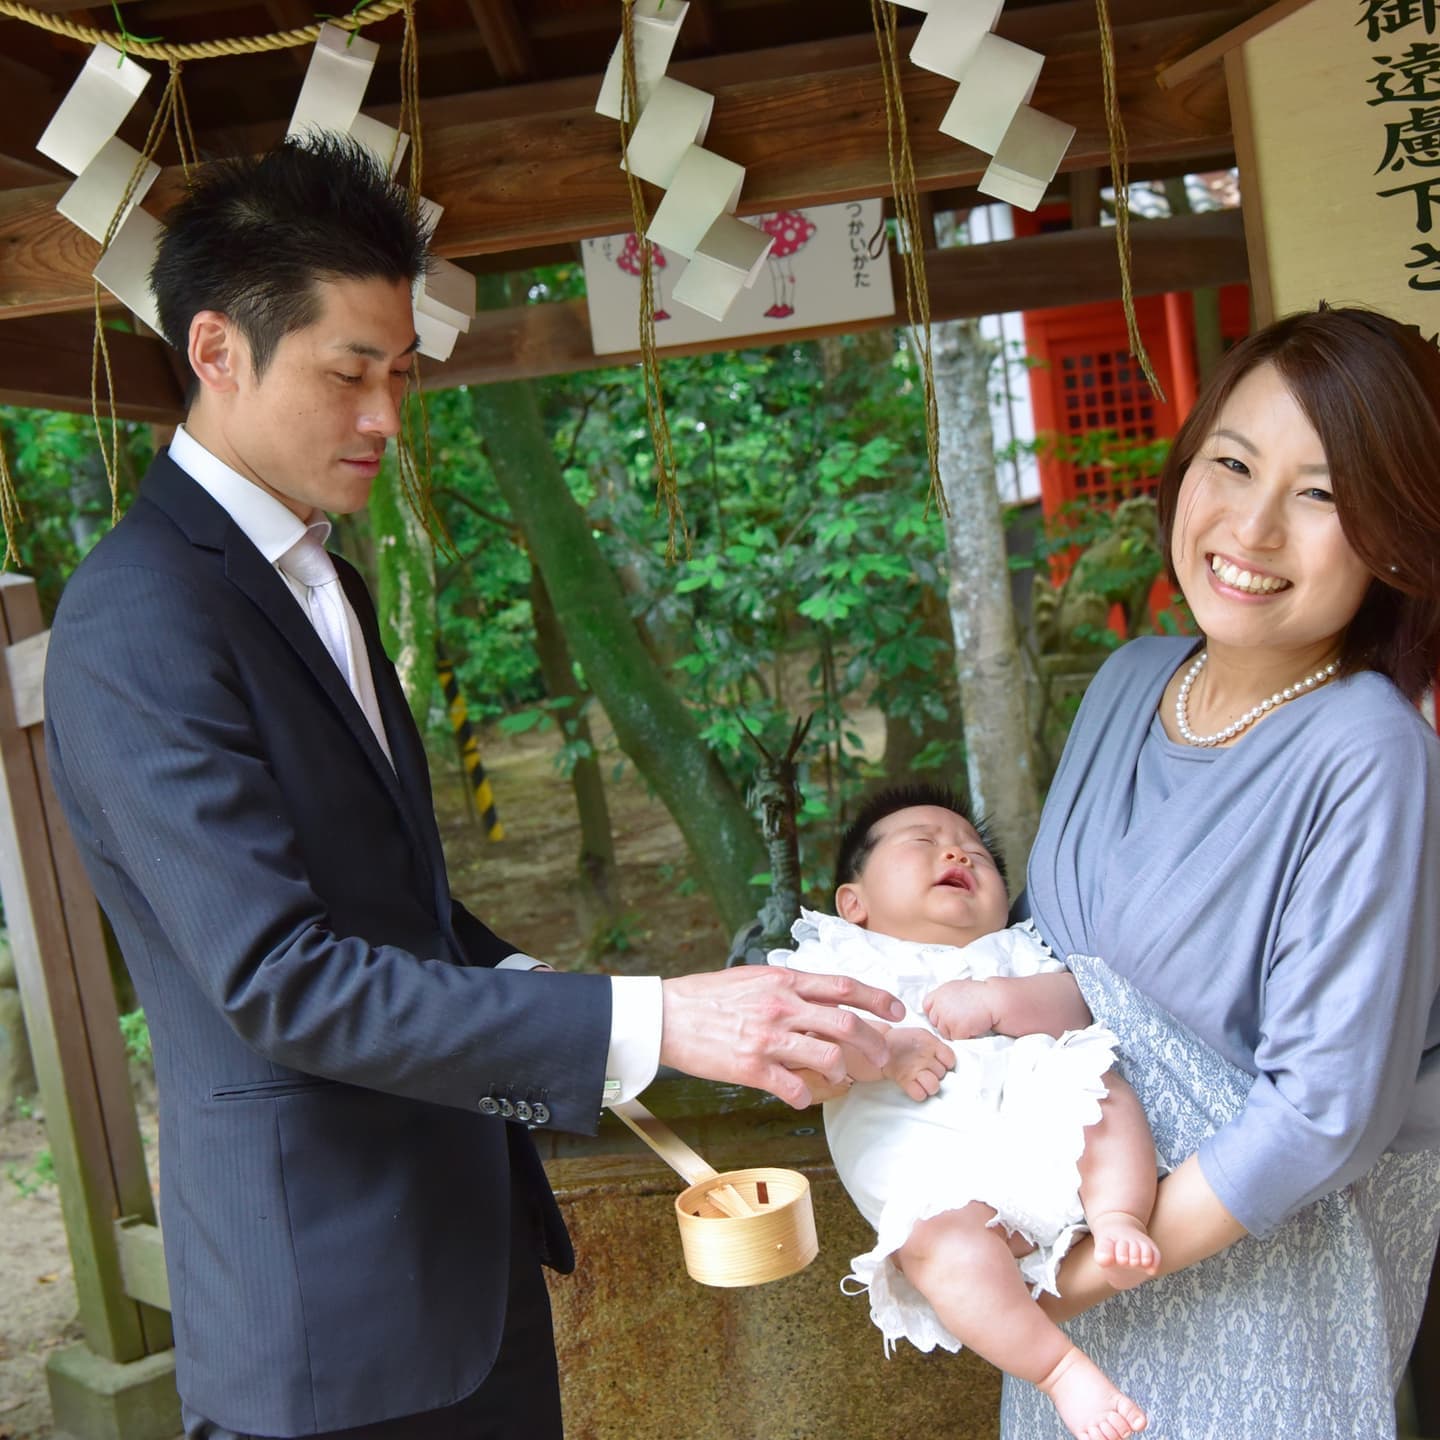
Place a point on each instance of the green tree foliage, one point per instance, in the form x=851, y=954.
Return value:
x=483, y=589
x=64, y=495
x=810, y=559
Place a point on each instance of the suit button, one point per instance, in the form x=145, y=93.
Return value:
x=523, y=1110
x=540, y=1111
x=507, y=1110
x=489, y=1106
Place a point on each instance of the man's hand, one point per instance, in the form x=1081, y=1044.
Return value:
x=918, y=1061
x=758, y=1024
x=960, y=1009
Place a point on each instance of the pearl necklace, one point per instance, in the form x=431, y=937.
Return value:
x=1182, y=703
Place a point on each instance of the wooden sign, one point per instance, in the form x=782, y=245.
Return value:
x=821, y=270
x=1337, y=128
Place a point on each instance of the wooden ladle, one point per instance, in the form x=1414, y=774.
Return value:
x=740, y=1227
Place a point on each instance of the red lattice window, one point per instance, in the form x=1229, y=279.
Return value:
x=1104, y=390
x=1083, y=379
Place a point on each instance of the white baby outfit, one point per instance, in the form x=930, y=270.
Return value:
x=1006, y=1127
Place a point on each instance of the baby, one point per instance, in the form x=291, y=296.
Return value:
x=1021, y=1140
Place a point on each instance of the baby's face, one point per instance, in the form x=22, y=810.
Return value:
x=929, y=879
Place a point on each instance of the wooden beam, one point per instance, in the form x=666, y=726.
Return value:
x=805, y=139
x=512, y=261
x=1217, y=49
x=69, y=1001
x=1070, y=268
x=292, y=15
x=31, y=99
x=142, y=1261
x=504, y=40
x=1053, y=27
x=1084, y=199
x=25, y=666
x=45, y=363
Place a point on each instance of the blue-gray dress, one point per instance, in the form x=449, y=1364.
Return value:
x=1260, y=925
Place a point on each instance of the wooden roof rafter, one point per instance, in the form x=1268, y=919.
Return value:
x=529, y=341
x=807, y=123
x=504, y=39
x=525, y=168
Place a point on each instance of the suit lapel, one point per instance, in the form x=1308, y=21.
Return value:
x=406, y=747
x=208, y=526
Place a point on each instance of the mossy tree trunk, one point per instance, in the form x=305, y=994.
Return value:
x=989, y=664
x=599, y=894
x=405, y=589
x=651, y=723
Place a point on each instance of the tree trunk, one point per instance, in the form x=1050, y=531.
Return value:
x=598, y=899
x=405, y=586
x=988, y=661
x=89, y=500
x=651, y=723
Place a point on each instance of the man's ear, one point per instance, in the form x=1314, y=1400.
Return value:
x=214, y=350
x=850, y=904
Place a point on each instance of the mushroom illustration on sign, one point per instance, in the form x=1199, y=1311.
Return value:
x=791, y=229
x=629, y=262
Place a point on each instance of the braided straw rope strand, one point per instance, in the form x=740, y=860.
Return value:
x=198, y=49
x=10, y=513
x=415, y=459
x=908, y=223
x=666, y=485
x=1120, y=181
x=173, y=111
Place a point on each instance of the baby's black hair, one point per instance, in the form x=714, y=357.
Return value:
x=857, y=842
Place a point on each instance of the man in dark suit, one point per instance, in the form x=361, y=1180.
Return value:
x=348, y=1061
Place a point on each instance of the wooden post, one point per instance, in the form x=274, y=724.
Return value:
x=70, y=1013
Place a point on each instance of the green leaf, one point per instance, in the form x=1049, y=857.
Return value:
x=523, y=720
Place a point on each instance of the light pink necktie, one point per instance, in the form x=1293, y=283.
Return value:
x=308, y=562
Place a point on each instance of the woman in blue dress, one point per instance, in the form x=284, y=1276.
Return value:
x=1240, y=855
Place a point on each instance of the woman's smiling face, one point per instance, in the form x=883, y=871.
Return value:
x=1257, y=543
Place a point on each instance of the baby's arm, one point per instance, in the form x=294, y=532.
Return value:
x=917, y=1063
x=1048, y=1004
x=857, y=1067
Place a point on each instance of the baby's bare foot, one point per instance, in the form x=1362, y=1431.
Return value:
x=1091, y=1407
x=1123, y=1249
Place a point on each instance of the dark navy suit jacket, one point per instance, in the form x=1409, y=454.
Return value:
x=336, y=1205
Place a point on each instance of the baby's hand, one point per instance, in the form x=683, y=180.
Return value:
x=960, y=1009
x=917, y=1061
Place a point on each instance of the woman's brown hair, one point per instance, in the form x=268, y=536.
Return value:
x=1370, y=387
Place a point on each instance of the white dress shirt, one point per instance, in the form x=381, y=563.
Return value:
x=273, y=528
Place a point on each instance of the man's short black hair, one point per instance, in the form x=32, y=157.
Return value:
x=857, y=842
x=253, y=236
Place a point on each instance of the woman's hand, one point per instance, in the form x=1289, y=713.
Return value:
x=1189, y=1225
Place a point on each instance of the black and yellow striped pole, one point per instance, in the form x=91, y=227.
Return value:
x=469, y=743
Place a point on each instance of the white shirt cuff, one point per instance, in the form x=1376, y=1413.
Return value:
x=636, y=1012
x=520, y=961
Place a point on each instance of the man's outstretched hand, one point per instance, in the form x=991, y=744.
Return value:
x=758, y=1024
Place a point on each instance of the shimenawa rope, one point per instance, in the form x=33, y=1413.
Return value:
x=173, y=109
x=910, y=233
x=1120, y=181
x=666, y=487
x=199, y=49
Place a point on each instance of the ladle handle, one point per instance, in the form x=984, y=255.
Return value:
x=664, y=1142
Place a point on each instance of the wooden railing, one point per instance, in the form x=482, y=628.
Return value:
x=68, y=997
